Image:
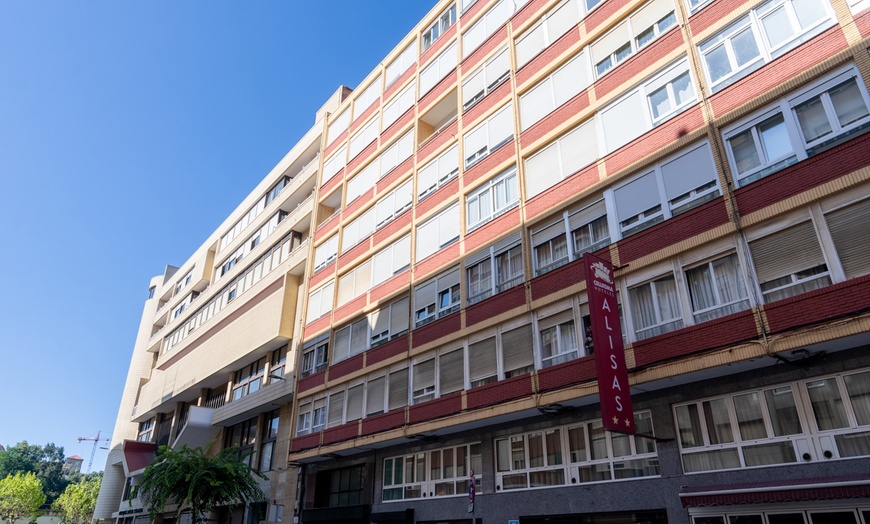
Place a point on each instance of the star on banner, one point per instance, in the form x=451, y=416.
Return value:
x=615, y=419
x=627, y=423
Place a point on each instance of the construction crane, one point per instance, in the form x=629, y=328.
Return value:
x=96, y=441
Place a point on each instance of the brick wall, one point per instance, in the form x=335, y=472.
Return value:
x=496, y=305
x=820, y=305
x=498, y=392
x=440, y=407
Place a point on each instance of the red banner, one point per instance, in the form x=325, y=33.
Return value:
x=616, y=411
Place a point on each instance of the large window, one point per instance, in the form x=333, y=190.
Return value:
x=559, y=340
x=354, y=283
x=848, y=228
x=438, y=373
x=438, y=172
x=496, y=269
x=391, y=260
x=367, y=96
x=717, y=288
x=394, y=204
x=325, y=253
x=363, y=181
x=577, y=231
x=494, y=132
x=438, y=232
x=336, y=163
x=492, y=199
x=406, y=59
x=486, y=79
x=244, y=437
x=555, y=23
x=638, y=30
x=394, y=155
x=440, y=67
x=398, y=105
x=581, y=453
x=389, y=322
x=789, y=262
x=562, y=158
x=320, y=301
x=270, y=435
x=437, y=473
x=487, y=24
x=655, y=307
x=315, y=355
x=358, y=229
x=553, y=91
x=442, y=24
x=436, y=298
x=249, y=379
x=367, y=134
x=777, y=425
x=765, y=33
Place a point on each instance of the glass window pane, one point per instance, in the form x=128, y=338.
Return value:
x=718, y=422
x=718, y=64
x=536, y=450
x=689, y=426
x=782, y=410
x=858, y=388
x=812, y=118
x=848, y=102
x=827, y=404
x=577, y=443
x=745, y=48
x=745, y=151
x=774, y=138
x=777, y=27
x=749, y=418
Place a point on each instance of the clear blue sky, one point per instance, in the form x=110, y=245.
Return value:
x=128, y=132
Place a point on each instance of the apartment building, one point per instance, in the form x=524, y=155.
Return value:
x=713, y=151
x=213, y=361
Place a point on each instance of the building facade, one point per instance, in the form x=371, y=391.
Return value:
x=713, y=151
x=427, y=286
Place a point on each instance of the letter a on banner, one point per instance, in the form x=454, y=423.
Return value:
x=616, y=411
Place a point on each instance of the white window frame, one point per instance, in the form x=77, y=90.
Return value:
x=358, y=229
x=391, y=260
x=488, y=260
x=444, y=21
x=494, y=137
x=447, y=298
x=486, y=198
x=320, y=301
x=438, y=68
x=400, y=64
x=490, y=76
x=366, y=134
x=325, y=253
x=399, y=105
x=440, y=227
x=438, y=172
x=393, y=204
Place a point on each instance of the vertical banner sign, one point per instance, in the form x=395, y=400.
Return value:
x=616, y=410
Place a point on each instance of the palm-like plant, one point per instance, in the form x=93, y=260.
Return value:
x=196, y=482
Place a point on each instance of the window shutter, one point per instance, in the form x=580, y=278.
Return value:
x=848, y=227
x=569, y=80
x=689, y=171
x=363, y=279
x=531, y=44
x=425, y=295
x=401, y=254
x=473, y=86
x=475, y=140
x=427, y=239
x=380, y=321
x=404, y=196
x=497, y=67
x=501, y=126
x=424, y=374
x=382, y=265
x=550, y=232
x=607, y=44
x=542, y=170
x=516, y=347
x=354, y=403
x=400, y=64
x=578, y=148
x=451, y=377
x=652, y=12
x=587, y=214
x=482, y=361
x=399, y=314
x=375, y=390
x=637, y=196
x=398, y=389
x=786, y=252
x=536, y=103
x=448, y=225
x=555, y=320
x=341, y=345
x=561, y=20
x=336, y=409
x=475, y=36
x=624, y=121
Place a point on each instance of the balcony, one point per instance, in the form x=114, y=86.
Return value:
x=277, y=392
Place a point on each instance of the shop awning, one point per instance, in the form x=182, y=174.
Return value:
x=830, y=488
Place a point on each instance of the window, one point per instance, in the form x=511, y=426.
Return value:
x=765, y=33
x=581, y=453
x=367, y=97
x=447, y=19
x=793, y=129
x=337, y=126
x=789, y=262
x=438, y=232
x=341, y=487
x=848, y=225
x=496, y=269
x=553, y=91
x=555, y=23
x=394, y=204
x=398, y=105
x=484, y=356
x=716, y=288
x=325, y=253
x=558, y=336
x=678, y=184
x=562, y=158
x=350, y=340
x=658, y=99
x=244, y=437
x=493, y=133
x=363, y=181
x=492, y=199
x=320, y=301
x=389, y=322
x=391, y=260
x=278, y=364
x=367, y=134
x=438, y=172
x=359, y=229
x=397, y=153
x=581, y=230
x=436, y=298
x=270, y=434
x=242, y=223
x=487, y=77
x=641, y=28
x=440, y=66
x=249, y=379
x=765, y=427
x=406, y=59
x=397, y=393
x=252, y=242
x=495, y=17
x=437, y=473
x=336, y=163
x=438, y=373
x=517, y=351
x=146, y=430
x=655, y=307
x=315, y=355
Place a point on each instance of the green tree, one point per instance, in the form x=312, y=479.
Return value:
x=20, y=496
x=197, y=482
x=46, y=462
x=76, y=504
